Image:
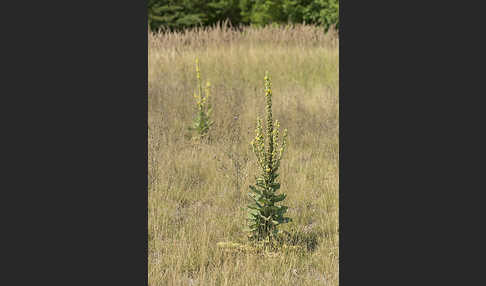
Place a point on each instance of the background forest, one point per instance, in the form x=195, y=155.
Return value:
x=181, y=14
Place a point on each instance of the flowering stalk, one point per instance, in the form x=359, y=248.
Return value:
x=264, y=216
x=202, y=122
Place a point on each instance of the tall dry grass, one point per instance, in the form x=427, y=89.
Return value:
x=198, y=192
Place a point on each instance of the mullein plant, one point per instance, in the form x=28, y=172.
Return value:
x=202, y=121
x=264, y=216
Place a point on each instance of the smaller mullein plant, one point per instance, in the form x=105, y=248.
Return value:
x=202, y=121
x=264, y=216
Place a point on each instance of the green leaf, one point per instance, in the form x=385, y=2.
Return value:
x=279, y=198
x=263, y=201
x=273, y=209
x=250, y=217
x=255, y=197
x=255, y=206
x=265, y=218
x=255, y=190
x=275, y=186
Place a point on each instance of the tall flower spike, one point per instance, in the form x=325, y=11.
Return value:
x=264, y=215
x=202, y=121
x=198, y=75
x=269, y=131
x=275, y=139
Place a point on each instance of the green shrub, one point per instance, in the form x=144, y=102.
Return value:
x=263, y=12
x=322, y=12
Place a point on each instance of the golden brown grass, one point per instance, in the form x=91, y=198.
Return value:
x=198, y=192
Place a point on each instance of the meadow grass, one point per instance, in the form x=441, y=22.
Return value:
x=197, y=192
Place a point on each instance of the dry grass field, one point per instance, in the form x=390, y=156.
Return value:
x=197, y=192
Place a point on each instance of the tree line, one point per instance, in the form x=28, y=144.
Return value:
x=181, y=14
